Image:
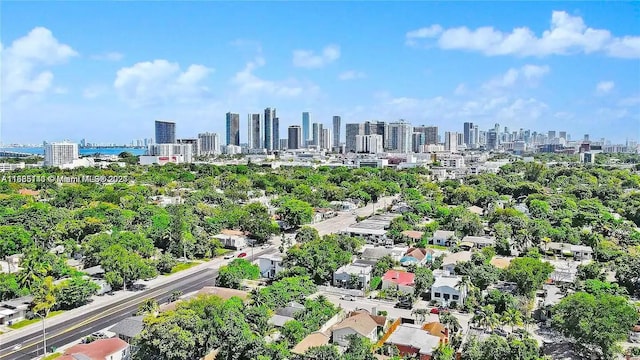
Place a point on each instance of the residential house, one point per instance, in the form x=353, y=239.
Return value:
x=401, y=208
x=376, y=253
x=450, y=261
x=477, y=242
x=223, y=293
x=270, y=265
x=400, y=280
x=578, y=252
x=102, y=349
x=437, y=329
x=412, y=340
x=312, y=340
x=360, y=324
x=232, y=239
x=444, y=238
x=285, y=314
x=412, y=236
x=417, y=256
x=12, y=311
x=500, y=262
x=446, y=289
x=343, y=276
x=476, y=210
x=321, y=214
x=127, y=329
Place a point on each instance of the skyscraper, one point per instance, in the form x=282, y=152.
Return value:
x=165, y=132
x=371, y=144
x=336, y=130
x=400, y=137
x=305, y=129
x=209, y=143
x=276, y=131
x=327, y=140
x=492, y=139
x=233, y=129
x=267, y=125
x=294, y=137
x=315, y=134
x=430, y=133
x=377, y=128
x=351, y=131
x=468, y=134
x=255, y=129
x=60, y=153
x=451, y=141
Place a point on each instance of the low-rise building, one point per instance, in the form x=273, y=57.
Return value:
x=578, y=252
x=359, y=324
x=343, y=277
x=412, y=340
x=477, y=242
x=312, y=340
x=417, y=256
x=376, y=253
x=102, y=349
x=447, y=289
x=400, y=280
x=12, y=311
x=270, y=265
x=443, y=238
x=450, y=261
x=232, y=239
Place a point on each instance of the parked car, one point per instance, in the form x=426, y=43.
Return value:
x=241, y=255
x=403, y=304
x=228, y=256
x=347, y=297
x=435, y=311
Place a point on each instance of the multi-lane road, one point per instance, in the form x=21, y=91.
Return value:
x=29, y=345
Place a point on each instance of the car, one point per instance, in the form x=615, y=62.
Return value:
x=500, y=332
x=435, y=311
x=347, y=297
x=404, y=305
x=228, y=256
x=241, y=255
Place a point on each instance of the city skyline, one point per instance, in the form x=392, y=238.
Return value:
x=567, y=66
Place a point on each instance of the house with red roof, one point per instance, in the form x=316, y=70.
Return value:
x=102, y=349
x=400, y=280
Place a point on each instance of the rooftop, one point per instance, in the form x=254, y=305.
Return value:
x=399, y=277
x=312, y=340
x=362, y=323
x=97, y=350
x=412, y=335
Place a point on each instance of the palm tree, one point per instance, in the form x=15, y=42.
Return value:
x=44, y=299
x=420, y=314
x=512, y=317
x=148, y=306
x=452, y=323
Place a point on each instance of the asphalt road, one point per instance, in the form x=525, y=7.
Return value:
x=103, y=317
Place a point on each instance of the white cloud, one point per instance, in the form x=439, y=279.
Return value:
x=309, y=59
x=568, y=35
x=250, y=84
x=461, y=89
x=108, y=56
x=160, y=81
x=605, y=87
x=351, y=75
x=630, y=101
x=93, y=91
x=526, y=75
x=25, y=64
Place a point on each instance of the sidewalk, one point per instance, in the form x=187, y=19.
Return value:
x=104, y=300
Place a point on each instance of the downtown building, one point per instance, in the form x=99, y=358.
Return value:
x=59, y=154
x=233, y=129
x=165, y=132
x=208, y=144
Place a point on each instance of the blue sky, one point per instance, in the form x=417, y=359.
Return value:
x=105, y=71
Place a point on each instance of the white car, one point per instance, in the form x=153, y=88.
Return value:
x=347, y=298
x=228, y=256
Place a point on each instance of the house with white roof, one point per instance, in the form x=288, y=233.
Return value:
x=342, y=277
x=446, y=289
x=477, y=242
x=443, y=238
x=270, y=265
x=412, y=340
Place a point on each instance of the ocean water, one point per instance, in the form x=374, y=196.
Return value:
x=82, y=151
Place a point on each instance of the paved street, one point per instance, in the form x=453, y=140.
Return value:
x=106, y=311
x=347, y=218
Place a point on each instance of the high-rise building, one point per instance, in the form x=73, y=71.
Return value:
x=336, y=130
x=195, y=149
x=256, y=140
x=233, y=129
x=468, y=134
x=460, y=139
x=160, y=153
x=209, y=143
x=476, y=137
x=551, y=135
x=563, y=135
x=417, y=140
x=267, y=125
x=60, y=153
x=315, y=134
x=327, y=140
x=371, y=144
x=451, y=141
x=165, y=132
x=294, y=137
x=276, y=131
x=351, y=131
x=377, y=128
x=492, y=139
x=305, y=129
x=400, y=137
